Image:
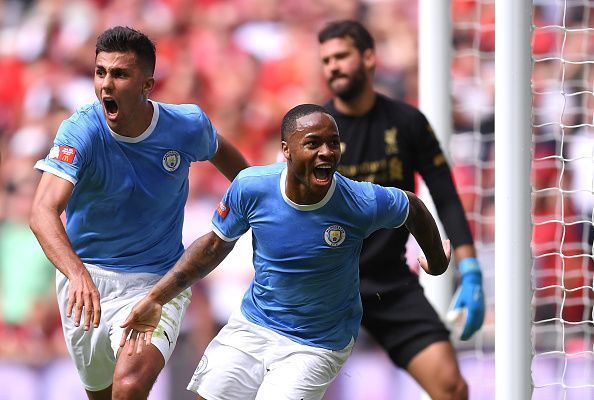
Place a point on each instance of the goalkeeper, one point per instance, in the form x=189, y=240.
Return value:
x=386, y=142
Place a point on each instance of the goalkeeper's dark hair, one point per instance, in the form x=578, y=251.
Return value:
x=125, y=39
x=290, y=118
x=348, y=28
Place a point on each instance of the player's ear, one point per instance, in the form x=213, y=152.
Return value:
x=148, y=86
x=369, y=58
x=285, y=149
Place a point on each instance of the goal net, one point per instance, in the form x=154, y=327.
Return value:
x=562, y=187
x=563, y=198
x=472, y=154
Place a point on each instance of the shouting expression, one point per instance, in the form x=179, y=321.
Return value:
x=123, y=86
x=312, y=151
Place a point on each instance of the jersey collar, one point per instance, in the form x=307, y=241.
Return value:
x=305, y=207
x=144, y=134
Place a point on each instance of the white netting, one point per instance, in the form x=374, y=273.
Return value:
x=562, y=181
x=563, y=199
x=472, y=151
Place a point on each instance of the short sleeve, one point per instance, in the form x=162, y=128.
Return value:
x=205, y=144
x=229, y=220
x=392, y=207
x=67, y=156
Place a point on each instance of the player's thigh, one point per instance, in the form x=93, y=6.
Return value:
x=226, y=373
x=90, y=350
x=305, y=373
x=403, y=322
x=166, y=333
x=139, y=369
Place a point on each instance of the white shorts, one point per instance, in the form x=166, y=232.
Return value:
x=94, y=351
x=246, y=361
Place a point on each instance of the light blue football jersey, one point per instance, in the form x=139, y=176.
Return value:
x=306, y=257
x=126, y=208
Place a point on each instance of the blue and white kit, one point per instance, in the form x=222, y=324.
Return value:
x=126, y=209
x=306, y=257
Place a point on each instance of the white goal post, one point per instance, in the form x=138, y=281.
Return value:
x=512, y=178
x=522, y=83
x=513, y=264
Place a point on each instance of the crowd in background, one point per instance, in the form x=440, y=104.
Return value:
x=246, y=62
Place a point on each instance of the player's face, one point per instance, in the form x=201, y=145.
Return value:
x=313, y=153
x=122, y=86
x=345, y=69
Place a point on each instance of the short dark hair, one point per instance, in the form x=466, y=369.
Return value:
x=348, y=28
x=125, y=39
x=290, y=118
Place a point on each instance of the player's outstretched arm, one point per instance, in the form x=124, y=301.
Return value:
x=228, y=159
x=422, y=226
x=197, y=261
x=50, y=200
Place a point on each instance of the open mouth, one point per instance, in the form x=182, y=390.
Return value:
x=323, y=173
x=111, y=107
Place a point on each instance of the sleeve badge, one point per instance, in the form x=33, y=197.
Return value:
x=63, y=153
x=222, y=210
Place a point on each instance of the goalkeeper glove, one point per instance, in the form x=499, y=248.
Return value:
x=470, y=297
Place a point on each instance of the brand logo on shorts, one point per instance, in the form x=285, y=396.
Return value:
x=334, y=235
x=171, y=160
x=167, y=337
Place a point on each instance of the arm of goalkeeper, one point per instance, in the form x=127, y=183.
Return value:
x=468, y=303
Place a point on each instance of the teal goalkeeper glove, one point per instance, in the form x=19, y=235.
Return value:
x=470, y=297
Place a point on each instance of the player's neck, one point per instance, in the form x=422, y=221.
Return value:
x=301, y=194
x=356, y=106
x=141, y=122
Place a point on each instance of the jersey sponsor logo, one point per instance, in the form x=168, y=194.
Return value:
x=391, y=142
x=334, y=235
x=171, y=160
x=396, y=169
x=63, y=153
x=381, y=171
x=222, y=210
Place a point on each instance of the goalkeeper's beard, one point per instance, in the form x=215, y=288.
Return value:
x=354, y=88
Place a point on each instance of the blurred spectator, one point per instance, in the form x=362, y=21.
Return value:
x=31, y=345
x=27, y=307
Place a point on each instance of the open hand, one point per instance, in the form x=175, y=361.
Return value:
x=83, y=298
x=140, y=325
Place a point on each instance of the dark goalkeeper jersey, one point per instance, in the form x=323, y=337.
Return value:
x=387, y=146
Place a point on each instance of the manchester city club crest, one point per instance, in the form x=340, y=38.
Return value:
x=334, y=235
x=171, y=160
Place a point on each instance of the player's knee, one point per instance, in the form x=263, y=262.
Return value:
x=458, y=389
x=130, y=387
x=452, y=386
